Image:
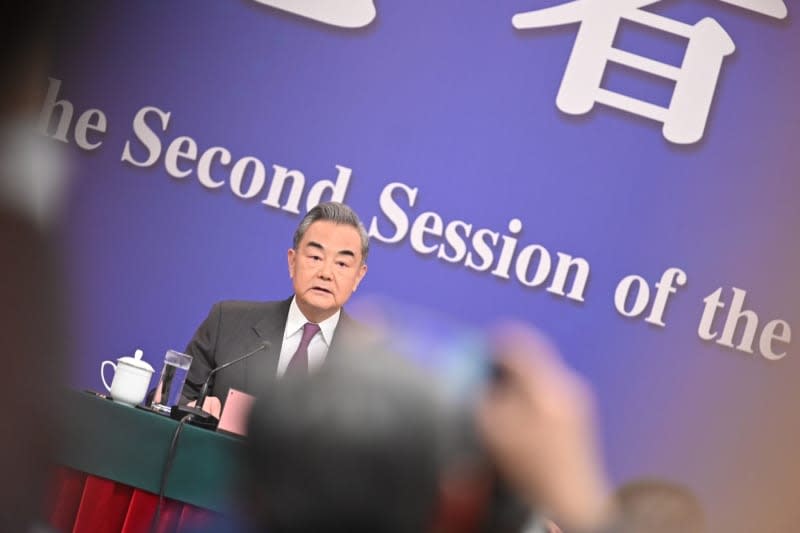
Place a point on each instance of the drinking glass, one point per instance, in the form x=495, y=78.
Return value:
x=173, y=376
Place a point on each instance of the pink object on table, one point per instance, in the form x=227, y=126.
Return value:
x=234, y=416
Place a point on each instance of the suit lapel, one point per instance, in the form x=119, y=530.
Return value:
x=269, y=328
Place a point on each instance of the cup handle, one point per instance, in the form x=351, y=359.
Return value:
x=103, y=373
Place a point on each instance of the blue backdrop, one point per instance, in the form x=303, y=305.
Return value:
x=451, y=100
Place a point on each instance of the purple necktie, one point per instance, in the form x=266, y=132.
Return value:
x=299, y=361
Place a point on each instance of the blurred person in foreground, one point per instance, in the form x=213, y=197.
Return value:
x=538, y=423
x=367, y=445
x=31, y=186
x=658, y=506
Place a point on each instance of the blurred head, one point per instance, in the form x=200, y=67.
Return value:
x=655, y=506
x=368, y=444
x=327, y=259
x=32, y=167
x=352, y=448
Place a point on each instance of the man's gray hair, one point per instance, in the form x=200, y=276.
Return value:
x=338, y=214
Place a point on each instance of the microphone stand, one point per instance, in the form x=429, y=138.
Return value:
x=198, y=416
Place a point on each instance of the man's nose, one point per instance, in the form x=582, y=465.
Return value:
x=326, y=270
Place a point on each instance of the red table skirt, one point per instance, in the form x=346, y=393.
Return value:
x=82, y=503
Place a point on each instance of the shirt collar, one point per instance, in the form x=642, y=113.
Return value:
x=295, y=321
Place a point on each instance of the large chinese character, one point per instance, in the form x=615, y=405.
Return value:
x=695, y=80
x=342, y=13
x=772, y=8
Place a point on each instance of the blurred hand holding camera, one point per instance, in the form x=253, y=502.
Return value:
x=537, y=421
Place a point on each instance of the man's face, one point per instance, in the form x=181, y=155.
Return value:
x=326, y=268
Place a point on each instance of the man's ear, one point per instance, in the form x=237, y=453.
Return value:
x=362, y=271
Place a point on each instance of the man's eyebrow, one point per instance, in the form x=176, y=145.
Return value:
x=315, y=244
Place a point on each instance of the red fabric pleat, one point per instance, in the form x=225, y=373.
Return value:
x=65, y=498
x=103, y=507
x=82, y=503
x=142, y=511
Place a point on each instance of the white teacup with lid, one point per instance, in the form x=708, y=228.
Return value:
x=131, y=379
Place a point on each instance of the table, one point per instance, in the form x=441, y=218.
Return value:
x=111, y=461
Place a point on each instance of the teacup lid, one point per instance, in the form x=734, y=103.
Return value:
x=136, y=361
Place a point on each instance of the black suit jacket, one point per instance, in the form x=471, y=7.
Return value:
x=234, y=328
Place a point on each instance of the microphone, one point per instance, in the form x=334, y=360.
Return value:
x=200, y=417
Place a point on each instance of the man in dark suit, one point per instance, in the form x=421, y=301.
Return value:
x=326, y=263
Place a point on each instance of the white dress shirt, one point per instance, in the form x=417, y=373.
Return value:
x=320, y=342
